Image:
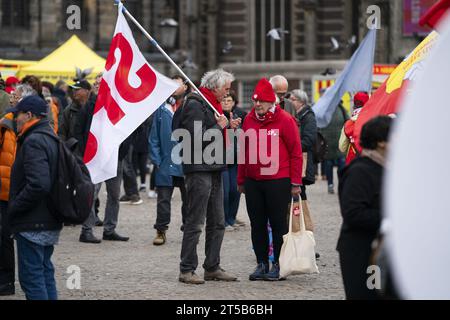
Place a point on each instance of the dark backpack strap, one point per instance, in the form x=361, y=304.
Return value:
x=179, y=112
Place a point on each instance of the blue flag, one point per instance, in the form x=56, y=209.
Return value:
x=357, y=76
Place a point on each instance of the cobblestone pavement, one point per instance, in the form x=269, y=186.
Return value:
x=139, y=270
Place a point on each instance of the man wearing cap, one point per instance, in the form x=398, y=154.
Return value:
x=77, y=119
x=268, y=192
x=31, y=222
x=347, y=141
x=73, y=125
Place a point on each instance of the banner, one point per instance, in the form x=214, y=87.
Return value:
x=130, y=91
x=386, y=99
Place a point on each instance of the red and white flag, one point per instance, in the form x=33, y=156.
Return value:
x=130, y=91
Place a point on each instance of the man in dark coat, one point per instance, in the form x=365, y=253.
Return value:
x=35, y=228
x=308, y=133
x=204, y=180
x=74, y=117
x=112, y=186
x=75, y=124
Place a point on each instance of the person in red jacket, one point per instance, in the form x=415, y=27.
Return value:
x=347, y=139
x=269, y=173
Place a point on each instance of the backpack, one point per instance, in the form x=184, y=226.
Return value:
x=320, y=148
x=72, y=193
x=178, y=115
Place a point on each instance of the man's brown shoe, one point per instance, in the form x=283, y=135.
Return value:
x=160, y=238
x=218, y=275
x=190, y=278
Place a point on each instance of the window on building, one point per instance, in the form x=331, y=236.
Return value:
x=16, y=13
x=248, y=88
x=83, y=9
x=135, y=8
x=273, y=14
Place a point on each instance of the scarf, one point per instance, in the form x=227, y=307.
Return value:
x=218, y=106
x=212, y=99
x=267, y=116
x=27, y=127
x=375, y=156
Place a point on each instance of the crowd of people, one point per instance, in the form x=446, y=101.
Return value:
x=32, y=111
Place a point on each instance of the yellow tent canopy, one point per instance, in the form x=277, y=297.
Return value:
x=10, y=67
x=61, y=63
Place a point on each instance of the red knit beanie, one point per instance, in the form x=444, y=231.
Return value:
x=360, y=99
x=264, y=92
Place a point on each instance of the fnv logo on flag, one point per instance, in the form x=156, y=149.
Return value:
x=130, y=91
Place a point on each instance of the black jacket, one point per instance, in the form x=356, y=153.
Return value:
x=195, y=109
x=237, y=113
x=61, y=95
x=76, y=123
x=140, y=144
x=32, y=176
x=360, y=199
x=308, y=134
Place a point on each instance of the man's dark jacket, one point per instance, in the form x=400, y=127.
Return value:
x=32, y=176
x=195, y=109
x=76, y=123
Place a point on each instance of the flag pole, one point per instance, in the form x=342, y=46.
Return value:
x=157, y=46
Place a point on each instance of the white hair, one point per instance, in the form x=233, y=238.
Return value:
x=277, y=80
x=216, y=79
x=24, y=90
x=300, y=95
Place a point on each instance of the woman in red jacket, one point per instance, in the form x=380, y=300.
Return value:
x=269, y=173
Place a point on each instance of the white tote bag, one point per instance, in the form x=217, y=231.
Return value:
x=298, y=255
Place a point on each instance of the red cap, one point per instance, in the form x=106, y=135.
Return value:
x=264, y=92
x=11, y=80
x=360, y=99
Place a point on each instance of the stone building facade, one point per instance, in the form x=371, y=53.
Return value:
x=227, y=33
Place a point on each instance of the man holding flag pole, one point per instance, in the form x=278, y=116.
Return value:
x=130, y=91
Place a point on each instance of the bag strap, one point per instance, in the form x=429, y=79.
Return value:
x=302, y=218
x=291, y=212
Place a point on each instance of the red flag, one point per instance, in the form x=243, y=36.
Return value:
x=435, y=14
x=386, y=99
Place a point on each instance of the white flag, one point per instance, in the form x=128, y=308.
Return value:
x=417, y=188
x=130, y=91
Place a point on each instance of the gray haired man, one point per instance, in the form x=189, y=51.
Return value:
x=281, y=85
x=204, y=180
